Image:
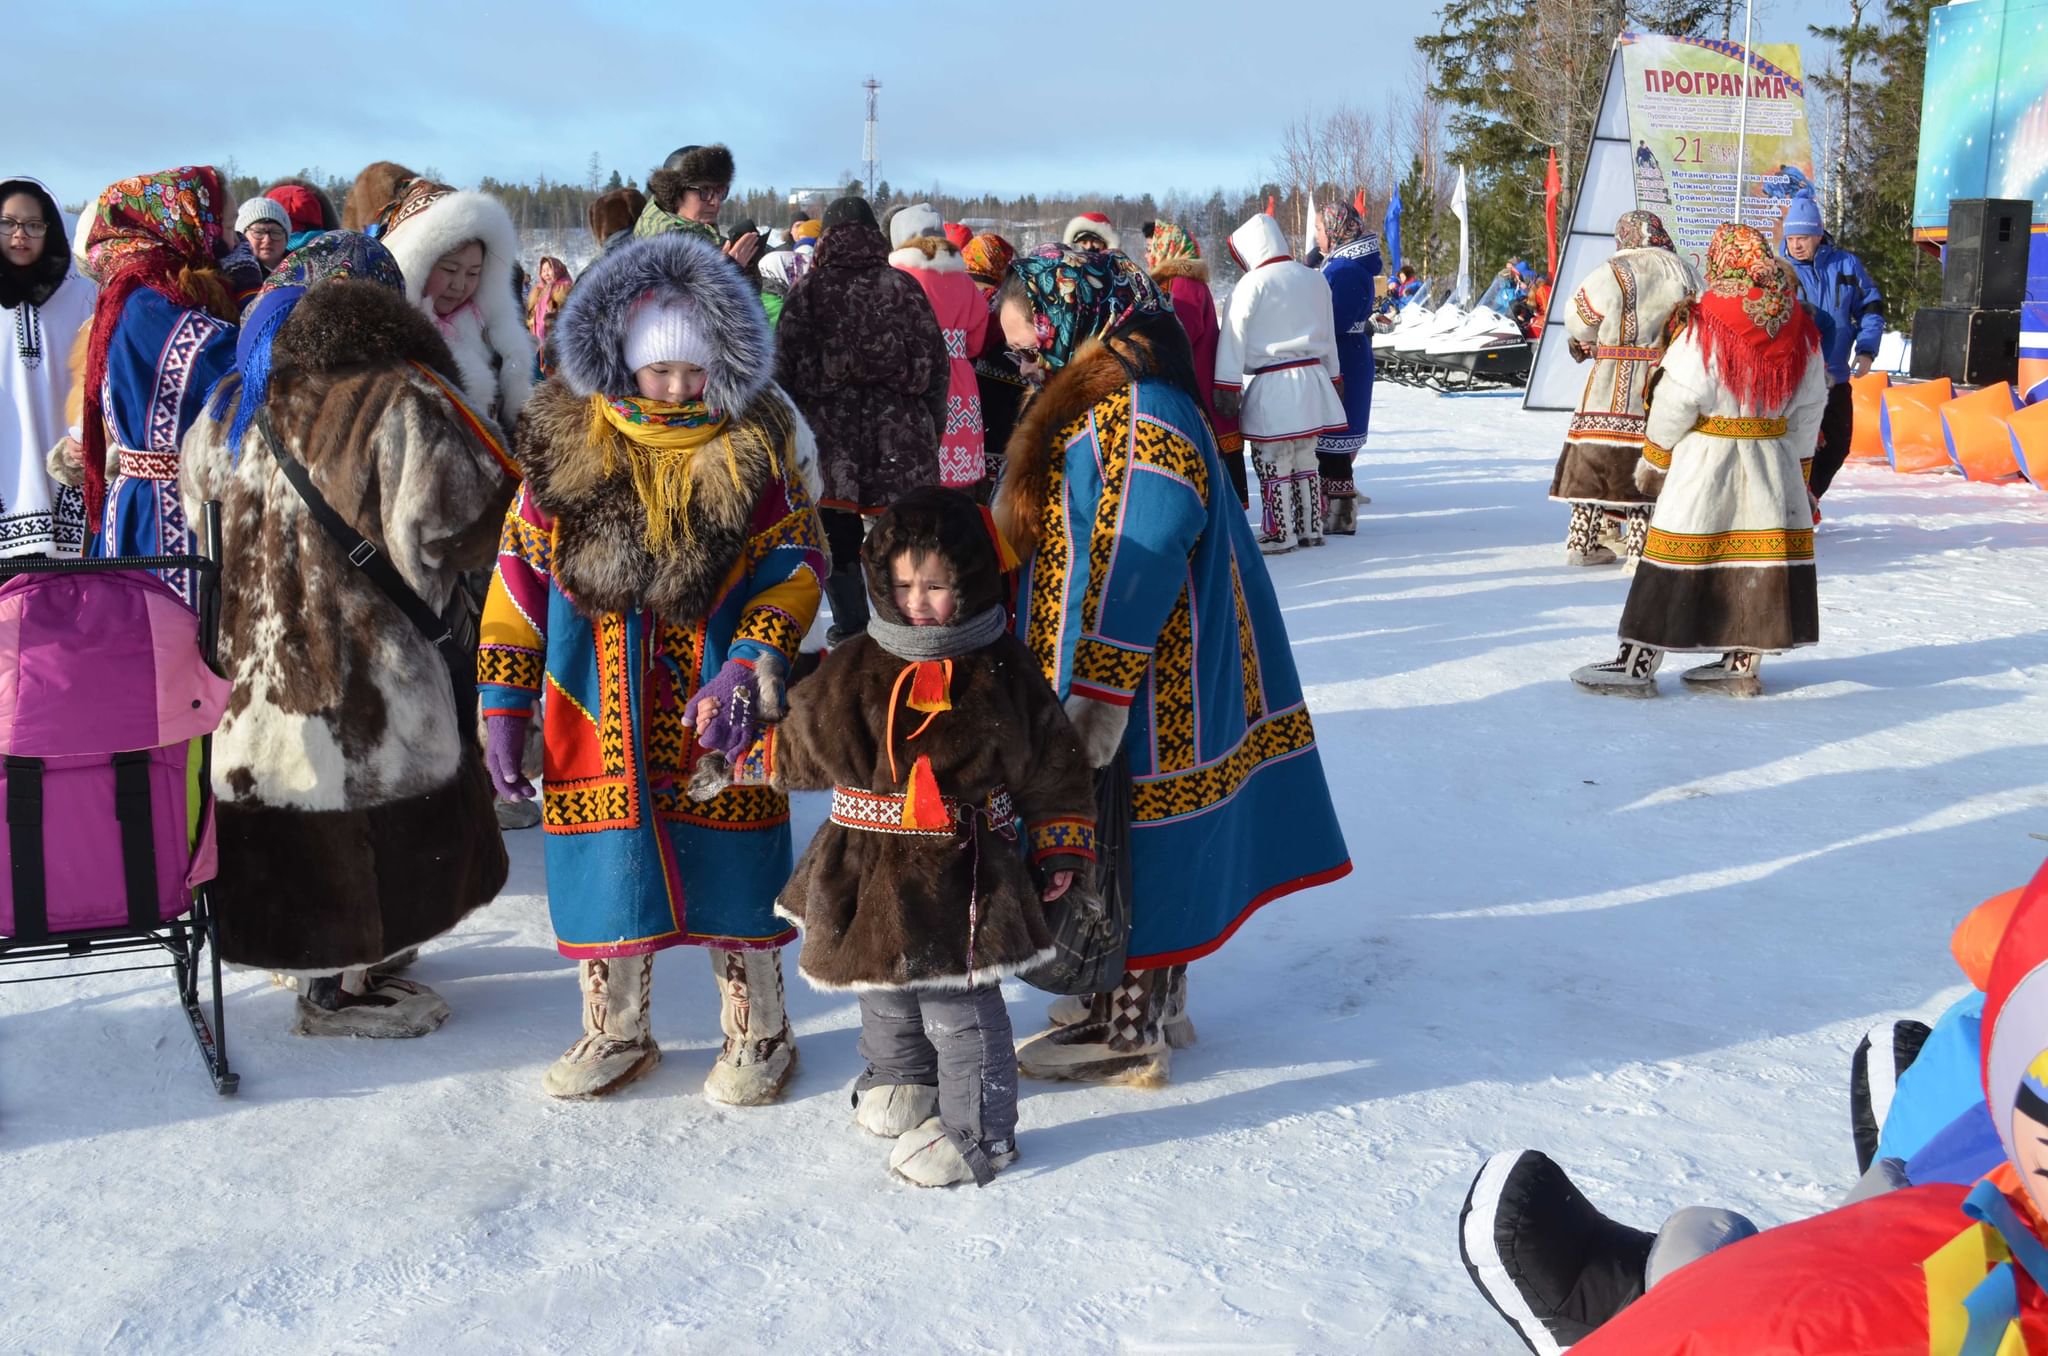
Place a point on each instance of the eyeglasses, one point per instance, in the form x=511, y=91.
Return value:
x=34, y=230
x=718, y=191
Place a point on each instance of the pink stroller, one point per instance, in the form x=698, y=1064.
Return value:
x=108, y=697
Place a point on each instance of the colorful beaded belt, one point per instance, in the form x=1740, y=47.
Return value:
x=880, y=812
x=139, y=465
x=1648, y=355
x=1742, y=426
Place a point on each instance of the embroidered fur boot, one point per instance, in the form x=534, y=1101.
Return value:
x=1734, y=674
x=1582, y=538
x=1631, y=673
x=1120, y=1040
x=1175, y=1025
x=1340, y=519
x=617, y=1046
x=760, y=1049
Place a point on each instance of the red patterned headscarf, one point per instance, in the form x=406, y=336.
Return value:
x=153, y=231
x=1752, y=330
x=987, y=257
x=1169, y=242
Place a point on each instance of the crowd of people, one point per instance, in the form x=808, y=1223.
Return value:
x=501, y=551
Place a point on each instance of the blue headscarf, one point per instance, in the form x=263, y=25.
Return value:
x=334, y=254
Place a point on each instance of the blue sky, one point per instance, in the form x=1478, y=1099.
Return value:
x=1083, y=97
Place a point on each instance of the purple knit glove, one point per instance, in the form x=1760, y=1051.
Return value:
x=736, y=724
x=504, y=749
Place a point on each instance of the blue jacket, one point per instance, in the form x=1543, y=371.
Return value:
x=1836, y=283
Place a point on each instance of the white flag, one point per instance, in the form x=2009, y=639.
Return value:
x=1308, y=227
x=1462, y=294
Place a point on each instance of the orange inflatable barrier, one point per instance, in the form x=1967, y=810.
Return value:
x=1866, y=394
x=1910, y=420
x=2028, y=431
x=1974, y=427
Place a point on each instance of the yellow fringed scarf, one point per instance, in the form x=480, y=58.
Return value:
x=667, y=440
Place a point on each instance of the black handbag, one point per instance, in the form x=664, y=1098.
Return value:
x=1091, y=927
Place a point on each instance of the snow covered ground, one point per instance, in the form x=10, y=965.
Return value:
x=1644, y=936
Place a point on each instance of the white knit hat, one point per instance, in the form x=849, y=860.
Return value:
x=1095, y=224
x=666, y=330
x=909, y=223
x=262, y=209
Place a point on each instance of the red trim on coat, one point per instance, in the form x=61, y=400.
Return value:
x=615, y=950
x=1102, y=694
x=1195, y=953
x=1290, y=437
x=1276, y=259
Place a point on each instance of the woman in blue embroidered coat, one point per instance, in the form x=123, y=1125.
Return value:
x=1351, y=261
x=657, y=552
x=1147, y=603
x=162, y=334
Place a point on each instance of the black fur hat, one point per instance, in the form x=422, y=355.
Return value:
x=941, y=522
x=701, y=164
x=844, y=210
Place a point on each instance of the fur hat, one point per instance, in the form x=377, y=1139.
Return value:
x=1095, y=224
x=701, y=164
x=908, y=223
x=615, y=211
x=665, y=329
x=593, y=333
x=844, y=210
x=372, y=192
x=262, y=209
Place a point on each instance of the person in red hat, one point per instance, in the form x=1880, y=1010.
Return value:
x=1091, y=231
x=311, y=210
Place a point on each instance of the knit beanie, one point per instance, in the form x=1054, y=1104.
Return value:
x=1802, y=217
x=914, y=222
x=262, y=209
x=846, y=210
x=807, y=230
x=666, y=330
x=1095, y=224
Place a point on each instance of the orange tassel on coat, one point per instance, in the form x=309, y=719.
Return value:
x=931, y=687
x=923, y=806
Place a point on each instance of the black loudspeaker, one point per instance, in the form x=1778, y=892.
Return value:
x=1970, y=348
x=1985, y=266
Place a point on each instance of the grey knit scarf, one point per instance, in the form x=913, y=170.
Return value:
x=915, y=643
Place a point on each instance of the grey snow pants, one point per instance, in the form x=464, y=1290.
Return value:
x=957, y=1041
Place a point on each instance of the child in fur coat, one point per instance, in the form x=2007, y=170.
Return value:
x=949, y=761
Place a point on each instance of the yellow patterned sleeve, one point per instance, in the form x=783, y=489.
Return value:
x=786, y=563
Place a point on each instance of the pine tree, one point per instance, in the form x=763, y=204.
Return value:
x=1882, y=157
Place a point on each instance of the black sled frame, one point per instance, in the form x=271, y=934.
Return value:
x=191, y=941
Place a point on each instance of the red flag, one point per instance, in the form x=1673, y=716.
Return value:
x=1551, y=189
x=1358, y=201
x=1269, y=205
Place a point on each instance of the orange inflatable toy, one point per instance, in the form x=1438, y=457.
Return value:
x=2028, y=431
x=1909, y=418
x=1974, y=427
x=1866, y=394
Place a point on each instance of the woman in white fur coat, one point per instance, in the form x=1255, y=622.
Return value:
x=457, y=251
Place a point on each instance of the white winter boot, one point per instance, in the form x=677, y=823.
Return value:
x=1631, y=673
x=760, y=1049
x=1734, y=674
x=617, y=1046
x=893, y=1109
x=928, y=1156
x=362, y=1003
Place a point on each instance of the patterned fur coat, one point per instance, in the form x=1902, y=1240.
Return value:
x=863, y=356
x=353, y=821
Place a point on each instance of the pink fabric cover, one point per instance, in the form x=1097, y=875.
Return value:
x=92, y=665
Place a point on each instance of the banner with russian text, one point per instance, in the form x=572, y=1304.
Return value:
x=1685, y=116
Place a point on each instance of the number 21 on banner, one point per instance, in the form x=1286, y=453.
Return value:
x=1688, y=151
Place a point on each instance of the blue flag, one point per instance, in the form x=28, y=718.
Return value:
x=1392, y=235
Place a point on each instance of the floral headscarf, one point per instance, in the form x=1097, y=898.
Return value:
x=1341, y=223
x=1641, y=230
x=1168, y=243
x=150, y=230
x=334, y=254
x=1752, y=331
x=987, y=257
x=1078, y=294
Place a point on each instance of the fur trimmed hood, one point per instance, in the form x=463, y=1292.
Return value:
x=1196, y=270
x=933, y=253
x=372, y=191
x=590, y=342
x=449, y=223
x=600, y=557
x=1095, y=373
